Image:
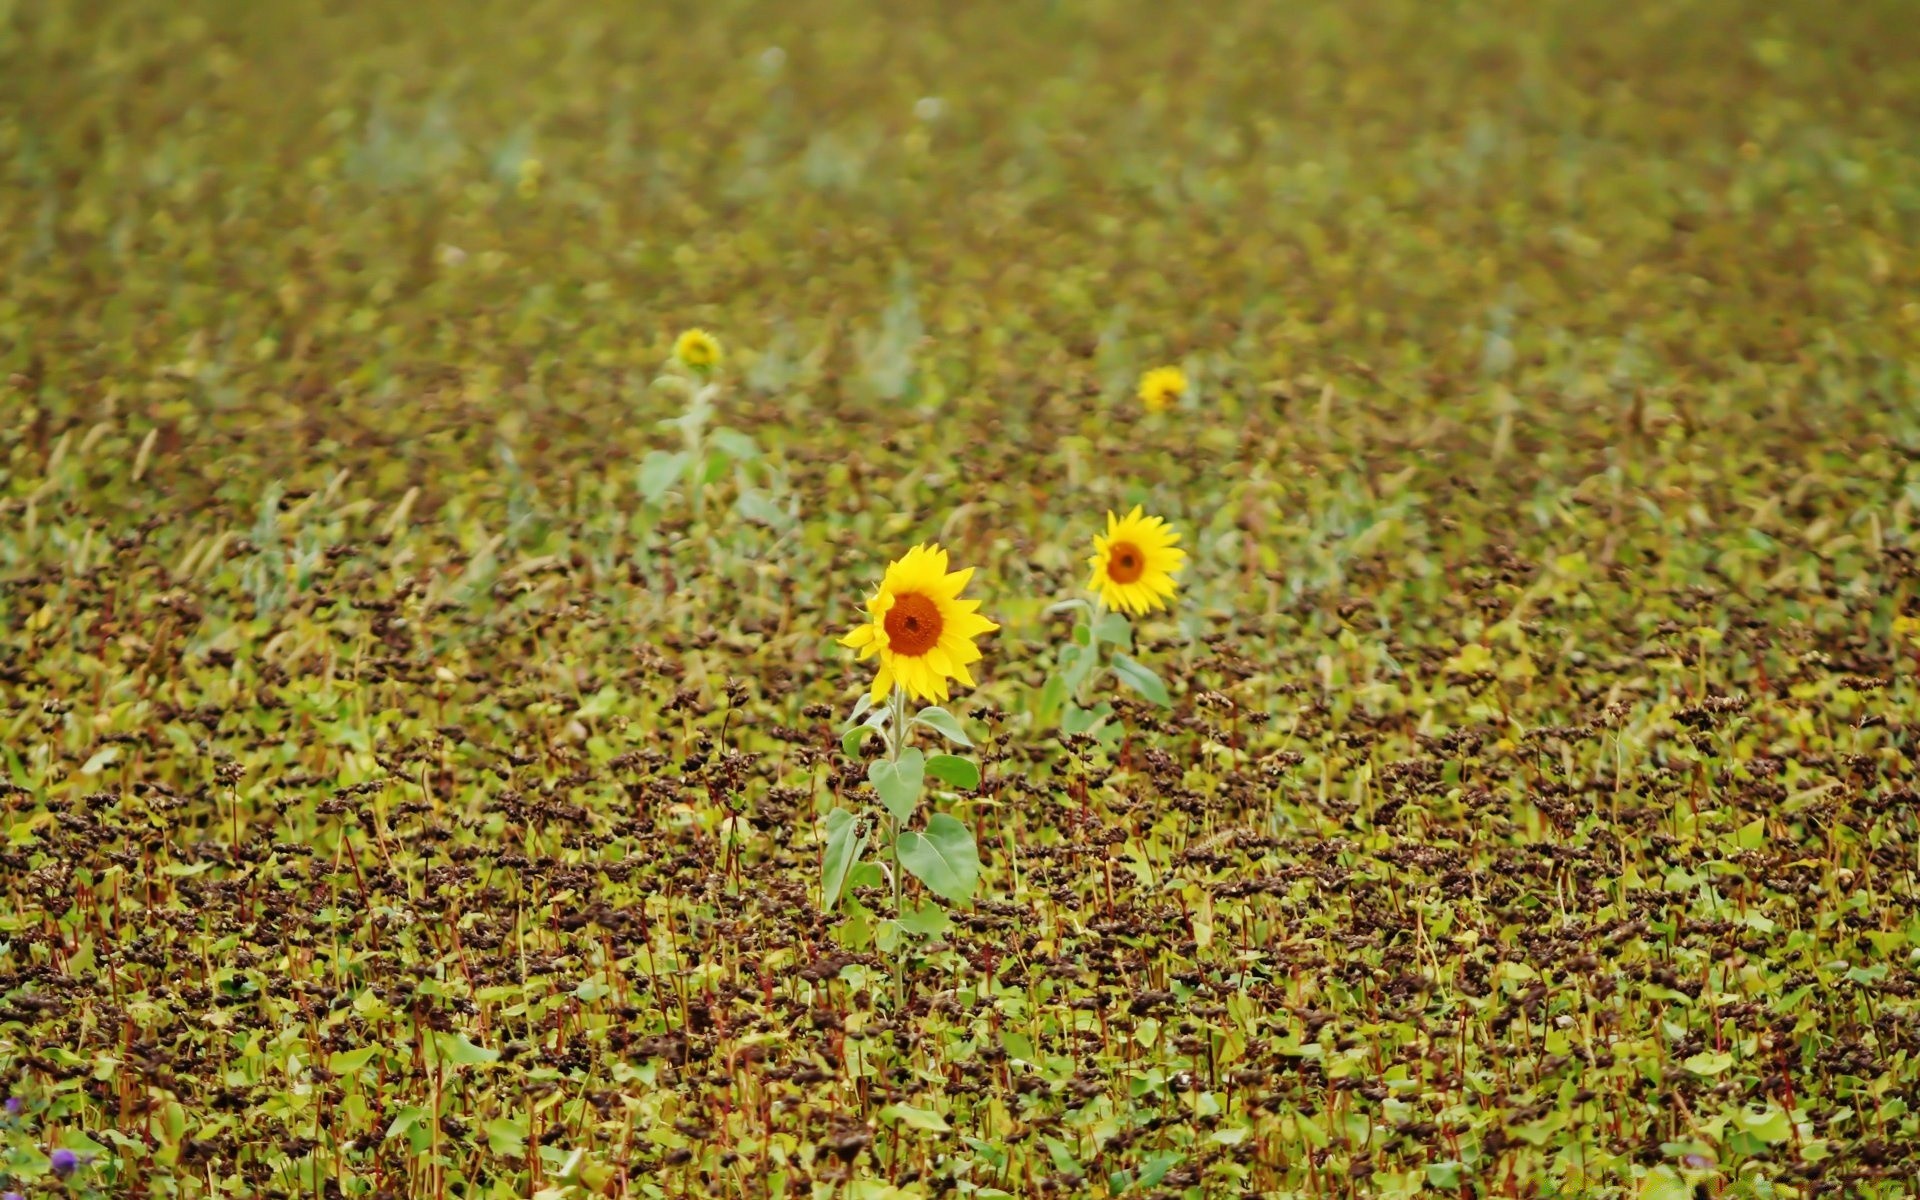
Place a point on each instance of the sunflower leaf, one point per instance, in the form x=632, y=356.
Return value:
x=943, y=858
x=943, y=723
x=1076, y=663
x=899, y=782
x=1141, y=680
x=658, y=472
x=851, y=739
x=735, y=445
x=860, y=707
x=954, y=770
x=843, y=849
x=1051, y=699
x=1114, y=629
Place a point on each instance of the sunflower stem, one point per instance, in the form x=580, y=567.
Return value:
x=900, y=944
x=1095, y=611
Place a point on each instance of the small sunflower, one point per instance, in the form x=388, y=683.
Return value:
x=1160, y=387
x=697, y=350
x=1134, y=563
x=920, y=627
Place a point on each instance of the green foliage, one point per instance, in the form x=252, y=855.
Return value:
x=418, y=764
x=942, y=857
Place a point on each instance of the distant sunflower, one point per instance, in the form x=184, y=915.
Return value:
x=1160, y=387
x=920, y=627
x=697, y=350
x=1134, y=563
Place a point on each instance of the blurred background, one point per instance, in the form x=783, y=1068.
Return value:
x=365, y=222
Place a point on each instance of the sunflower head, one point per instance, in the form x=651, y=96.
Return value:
x=919, y=626
x=697, y=350
x=1134, y=563
x=1160, y=387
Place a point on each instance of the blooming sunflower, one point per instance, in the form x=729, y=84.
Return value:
x=1160, y=387
x=920, y=627
x=697, y=350
x=1134, y=562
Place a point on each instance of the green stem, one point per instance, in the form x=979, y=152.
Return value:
x=899, y=701
x=1095, y=611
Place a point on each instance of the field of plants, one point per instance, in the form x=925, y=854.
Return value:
x=853, y=602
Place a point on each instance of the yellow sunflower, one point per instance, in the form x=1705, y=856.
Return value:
x=697, y=350
x=1160, y=387
x=1134, y=562
x=920, y=627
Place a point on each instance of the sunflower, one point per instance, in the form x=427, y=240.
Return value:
x=1160, y=387
x=697, y=350
x=1134, y=562
x=920, y=627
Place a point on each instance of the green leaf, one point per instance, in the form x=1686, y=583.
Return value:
x=1076, y=664
x=899, y=783
x=1084, y=720
x=1114, y=629
x=405, y=1120
x=456, y=1049
x=506, y=1136
x=860, y=708
x=1449, y=1174
x=1052, y=698
x=954, y=770
x=1017, y=1045
x=659, y=470
x=943, y=857
x=925, y=920
x=1772, y=1126
x=1872, y=974
x=1141, y=680
x=943, y=723
x=915, y=1118
x=1664, y=1183
x=851, y=739
x=758, y=508
x=1708, y=1062
x=346, y=1062
x=716, y=469
x=1063, y=1160
x=843, y=850
x=1156, y=1166
x=734, y=444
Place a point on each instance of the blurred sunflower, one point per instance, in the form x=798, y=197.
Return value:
x=1160, y=387
x=1134, y=562
x=697, y=350
x=920, y=627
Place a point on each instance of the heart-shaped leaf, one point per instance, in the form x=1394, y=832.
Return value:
x=1114, y=629
x=658, y=471
x=943, y=857
x=899, y=783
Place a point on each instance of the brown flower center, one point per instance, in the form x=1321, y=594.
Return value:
x=913, y=624
x=1125, y=563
